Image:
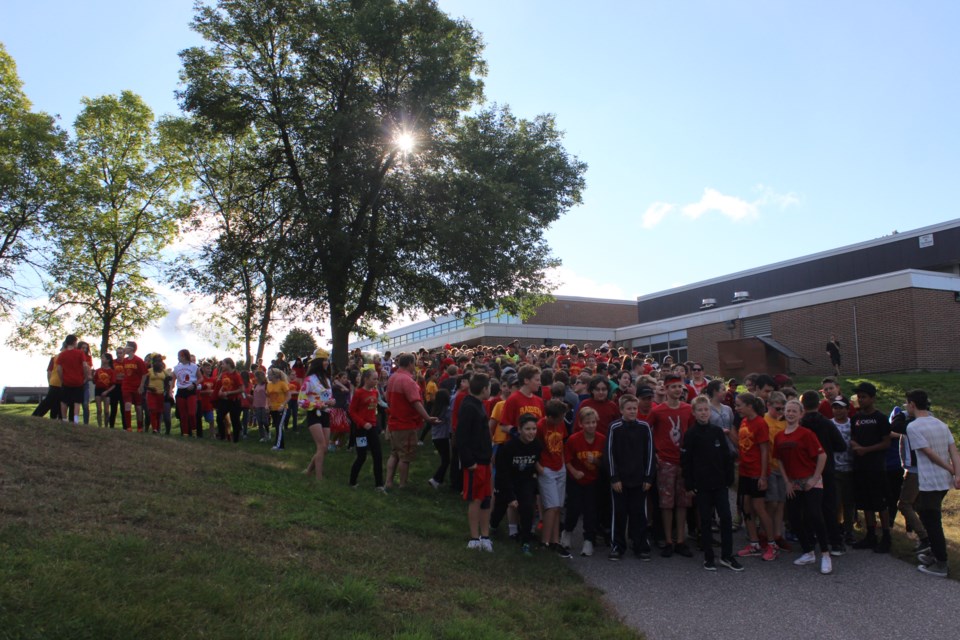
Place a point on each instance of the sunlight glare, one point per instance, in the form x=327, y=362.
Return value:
x=404, y=141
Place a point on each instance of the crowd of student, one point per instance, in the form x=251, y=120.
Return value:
x=552, y=439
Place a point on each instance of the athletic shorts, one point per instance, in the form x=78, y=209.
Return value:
x=750, y=488
x=316, y=416
x=404, y=444
x=670, y=487
x=71, y=395
x=870, y=489
x=553, y=488
x=132, y=396
x=477, y=483
x=776, y=488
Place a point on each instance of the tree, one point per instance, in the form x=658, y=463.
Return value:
x=241, y=209
x=125, y=196
x=297, y=344
x=382, y=226
x=31, y=146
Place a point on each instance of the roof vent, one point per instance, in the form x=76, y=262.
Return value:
x=741, y=296
x=708, y=303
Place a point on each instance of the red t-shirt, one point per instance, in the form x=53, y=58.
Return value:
x=545, y=394
x=517, y=405
x=584, y=456
x=607, y=413
x=576, y=367
x=551, y=436
x=71, y=361
x=403, y=393
x=455, y=411
x=229, y=382
x=668, y=427
x=797, y=452
x=753, y=433
x=207, y=400
x=133, y=368
x=104, y=378
x=363, y=406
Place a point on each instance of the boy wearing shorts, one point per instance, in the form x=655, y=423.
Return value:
x=475, y=451
x=552, y=476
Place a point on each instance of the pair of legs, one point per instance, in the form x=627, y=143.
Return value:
x=708, y=501
x=674, y=501
x=629, y=513
x=477, y=490
x=132, y=402
x=552, y=491
x=929, y=505
x=187, y=410
x=805, y=510
x=102, y=403
x=72, y=398
x=316, y=425
x=155, y=409
x=582, y=500
x=367, y=440
x=442, y=445
x=909, y=494
x=403, y=449
x=754, y=507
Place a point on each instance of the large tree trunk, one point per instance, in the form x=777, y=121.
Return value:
x=268, y=302
x=340, y=338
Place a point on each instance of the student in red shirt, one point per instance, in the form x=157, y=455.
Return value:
x=524, y=400
x=363, y=412
x=599, y=400
x=74, y=371
x=229, y=389
x=131, y=370
x=583, y=454
x=669, y=422
x=208, y=397
x=104, y=382
x=802, y=461
x=552, y=473
x=754, y=442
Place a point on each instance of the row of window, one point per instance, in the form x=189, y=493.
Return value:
x=661, y=345
x=441, y=328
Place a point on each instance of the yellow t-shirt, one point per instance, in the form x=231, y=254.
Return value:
x=430, y=392
x=277, y=394
x=499, y=435
x=155, y=380
x=775, y=427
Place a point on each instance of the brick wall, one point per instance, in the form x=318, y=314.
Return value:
x=574, y=313
x=902, y=330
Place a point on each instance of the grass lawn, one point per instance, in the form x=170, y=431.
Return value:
x=107, y=534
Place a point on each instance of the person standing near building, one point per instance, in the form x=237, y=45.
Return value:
x=869, y=441
x=938, y=468
x=833, y=350
x=405, y=416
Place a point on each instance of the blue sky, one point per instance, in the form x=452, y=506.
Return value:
x=720, y=135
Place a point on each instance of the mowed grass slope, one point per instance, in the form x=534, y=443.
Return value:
x=106, y=534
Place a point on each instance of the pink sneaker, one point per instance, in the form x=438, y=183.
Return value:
x=770, y=553
x=751, y=550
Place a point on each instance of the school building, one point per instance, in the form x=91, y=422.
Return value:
x=893, y=303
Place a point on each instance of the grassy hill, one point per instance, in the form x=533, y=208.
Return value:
x=106, y=534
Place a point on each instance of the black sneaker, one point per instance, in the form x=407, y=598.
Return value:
x=683, y=550
x=837, y=550
x=644, y=556
x=667, y=551
x=923, y=546
x=709, y=565
x=562, y=551
x=615, y=553
x=883, y=546
x=868, y=542
x=730, y=563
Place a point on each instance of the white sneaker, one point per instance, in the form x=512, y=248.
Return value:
x=587, y=550
x=433, y=483
x=565, y=539
x=808, y=558
x=486, y=544
x=826, y=564
x=474, y=544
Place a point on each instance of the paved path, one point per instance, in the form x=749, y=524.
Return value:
x=870, y=596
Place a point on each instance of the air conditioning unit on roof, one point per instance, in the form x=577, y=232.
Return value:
x=741, y=296
x=708, y=303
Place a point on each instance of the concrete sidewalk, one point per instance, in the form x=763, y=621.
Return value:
x=869, y=595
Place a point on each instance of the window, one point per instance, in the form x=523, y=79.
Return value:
x=659, y=346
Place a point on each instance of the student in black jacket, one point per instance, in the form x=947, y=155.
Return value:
x=832, y=442
x=516, y=484
x=631, y=464
x=707, y=471
x=475, y=451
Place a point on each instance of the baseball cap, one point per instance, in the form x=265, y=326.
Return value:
x=839, y=402
x=865, y=388
x=644, y=391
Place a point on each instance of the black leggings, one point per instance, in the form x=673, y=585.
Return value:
x=231, y=408
x=442, y=445
x=526, y=496
x=581, y=500
x=805, y=511
x=367, y=440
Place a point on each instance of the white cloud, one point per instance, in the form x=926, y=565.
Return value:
x=730, y=206
x=733, y=207
x=569, y=283
x=655, y=213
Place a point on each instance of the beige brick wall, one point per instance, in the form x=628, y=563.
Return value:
x=573, y=313
x=901, y=330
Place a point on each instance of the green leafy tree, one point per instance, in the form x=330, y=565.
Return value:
x=406, y=193
x=240, y=211
x=125, y=197
x=298, y=343
x=31, y=147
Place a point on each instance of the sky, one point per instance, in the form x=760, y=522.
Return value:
x=720, y=135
